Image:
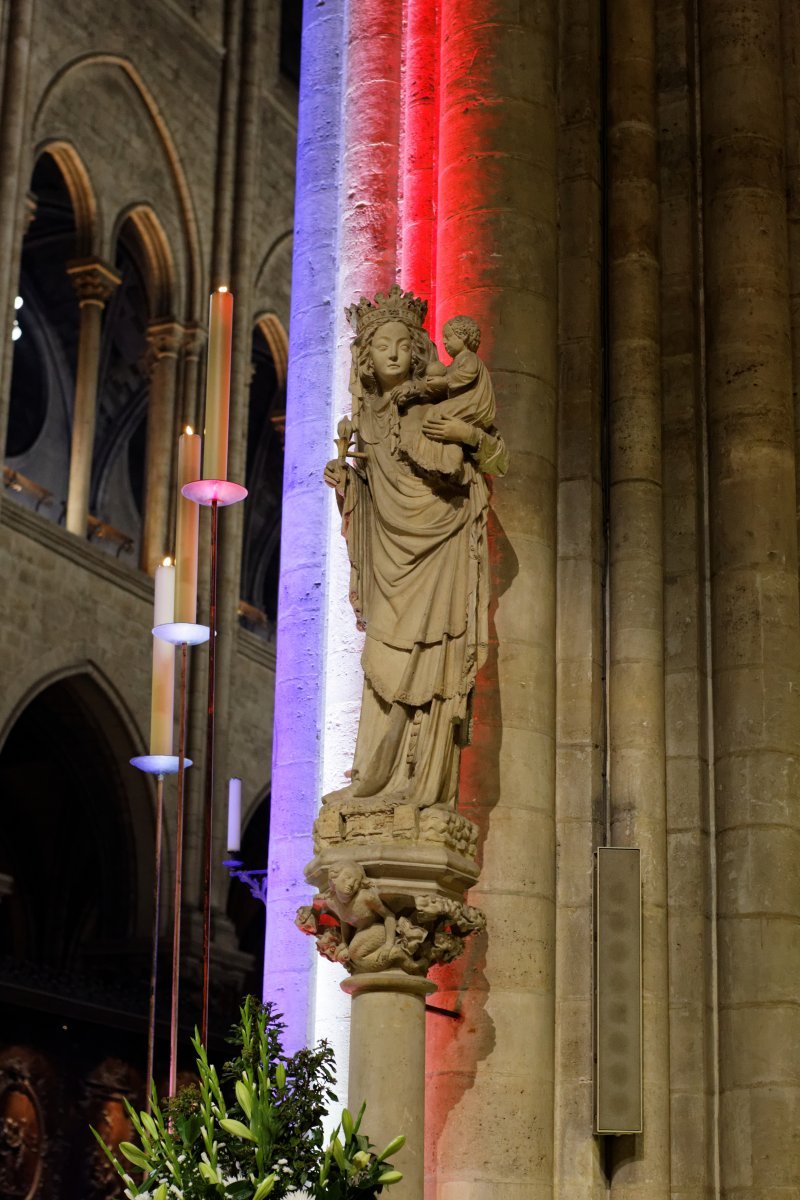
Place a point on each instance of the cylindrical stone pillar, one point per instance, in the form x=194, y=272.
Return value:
x=418, y=152
x=580, y=634
x=387, y=1067
x=94, y=281
x=369, y=183
x=496, y=261
x=756, y=640
x=641, y=1167
x=13, y=119
x=161, y=448
x=194, y=340
x=689, y=796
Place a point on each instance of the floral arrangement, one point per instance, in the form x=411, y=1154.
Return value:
x=254, y=1132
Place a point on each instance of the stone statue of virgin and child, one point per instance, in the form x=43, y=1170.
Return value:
x=410, y=483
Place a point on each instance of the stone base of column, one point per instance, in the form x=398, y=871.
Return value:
x=387, y=1067
x=391, y=881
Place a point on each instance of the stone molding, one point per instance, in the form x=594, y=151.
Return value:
x=77, y=550
x=356, y=822
x=94, y=280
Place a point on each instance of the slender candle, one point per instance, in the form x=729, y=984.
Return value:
x=234, y=814
x=163, y=690
x=218, y=385
x=187, y=524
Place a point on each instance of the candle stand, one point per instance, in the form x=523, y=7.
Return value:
x=158, y=765
x=213, y=494
x=255, y=880
x=183, y=634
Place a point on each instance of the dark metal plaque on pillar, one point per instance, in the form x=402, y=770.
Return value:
x=618, y=991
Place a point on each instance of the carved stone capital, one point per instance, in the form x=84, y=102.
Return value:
x=194, y=339
x=94, y=280
x=392, y=904
x=164, y=340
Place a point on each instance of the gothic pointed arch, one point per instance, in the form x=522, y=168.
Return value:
x=154, y=170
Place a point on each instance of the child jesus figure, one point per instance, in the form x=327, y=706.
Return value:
x=462, y=391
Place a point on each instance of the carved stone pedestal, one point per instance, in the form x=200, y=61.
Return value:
x=390, y=881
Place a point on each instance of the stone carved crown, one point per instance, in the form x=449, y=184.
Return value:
x=397, y=305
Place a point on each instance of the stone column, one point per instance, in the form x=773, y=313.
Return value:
x=194, y=340
x=289, y=976
x=689, y=795
x=790, y=40
x=580, y=634
x=417, y=233
x=13, y=121
x=756, y=643
x=387, y=1066
x=640, y=1165
x=94, y=281
x=496, y=260
x=164, y=339
x=414, y=866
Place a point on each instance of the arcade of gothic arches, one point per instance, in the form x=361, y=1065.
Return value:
x=133, y=183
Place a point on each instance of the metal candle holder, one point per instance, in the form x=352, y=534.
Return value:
x=255, y=880
x=183, y=634
x=213, y=494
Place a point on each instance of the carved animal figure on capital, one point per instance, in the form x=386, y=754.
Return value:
x=414, y=505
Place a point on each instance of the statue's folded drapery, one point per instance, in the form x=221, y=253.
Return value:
x=419, y=586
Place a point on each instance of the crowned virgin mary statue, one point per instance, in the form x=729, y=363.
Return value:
x=416, y=539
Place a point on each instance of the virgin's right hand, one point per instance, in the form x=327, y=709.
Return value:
x=335, y=475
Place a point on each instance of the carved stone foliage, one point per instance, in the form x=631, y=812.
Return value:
x=367, y=927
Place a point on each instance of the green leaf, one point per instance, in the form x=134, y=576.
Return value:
x=338, y=1154
x=265, y=1187
x=280, y=1076
x=208, y=1173
x=357, y=1125
x=393, y=1147
x=160, y=1192
x=238, y=1129
x=347, y=1124
x=149, y=1125
x=134, y=1155
x=116, y=1164
x=245, y=1098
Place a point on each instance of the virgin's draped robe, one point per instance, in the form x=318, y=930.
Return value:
x=419, y=586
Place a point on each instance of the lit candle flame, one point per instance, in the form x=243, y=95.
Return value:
x=189, y=430
x=167, y=562
x=222, y=289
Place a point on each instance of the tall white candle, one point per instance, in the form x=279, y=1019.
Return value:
x=162, y=696
x=234, y=814
x=187, y=522
x=218, y=385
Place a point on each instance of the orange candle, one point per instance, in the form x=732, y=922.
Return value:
x=186, y=530
x=218, y=385
x=162, y=696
